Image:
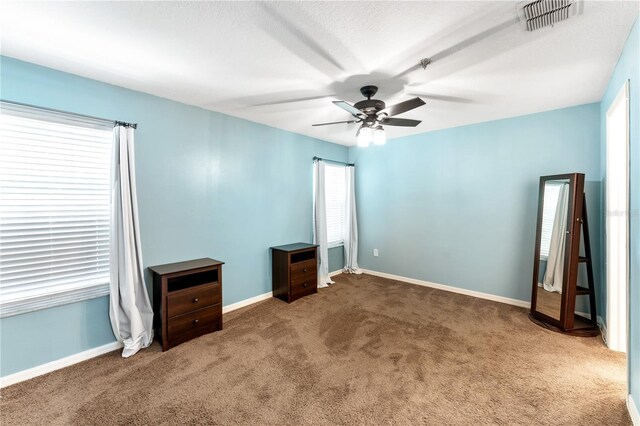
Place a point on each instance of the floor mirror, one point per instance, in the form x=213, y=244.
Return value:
x=563, y=293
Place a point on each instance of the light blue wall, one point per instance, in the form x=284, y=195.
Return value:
x=209, y=185
x=38, y=337
x=628, y=68
x=458, y=206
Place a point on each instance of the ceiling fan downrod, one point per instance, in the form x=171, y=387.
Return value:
x=369, y=91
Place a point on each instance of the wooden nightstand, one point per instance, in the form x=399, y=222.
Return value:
x=187, y=300
x=295, y=271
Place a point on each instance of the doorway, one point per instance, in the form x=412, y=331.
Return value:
x=617, y=220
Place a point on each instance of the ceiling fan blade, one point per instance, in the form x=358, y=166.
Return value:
x=301, y=40
x=443, y=98
x=337, y=122
x=402, y=107
x=292, y=100
x=349, y=108
x=403, y=122
x=437, y=57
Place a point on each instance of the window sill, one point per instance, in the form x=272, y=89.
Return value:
x=57, y=297
x=335, y=245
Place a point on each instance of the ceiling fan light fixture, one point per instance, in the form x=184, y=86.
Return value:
x=364, y=136
x=379, y=136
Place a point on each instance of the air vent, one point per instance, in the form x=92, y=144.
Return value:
x=545, y=13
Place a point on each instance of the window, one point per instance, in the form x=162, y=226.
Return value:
x=335, y=193
x=54, y=208
x=549, y=206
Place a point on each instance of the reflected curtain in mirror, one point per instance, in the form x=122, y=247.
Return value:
x=555, y=261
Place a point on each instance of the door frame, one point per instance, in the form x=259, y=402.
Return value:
x=622, y=96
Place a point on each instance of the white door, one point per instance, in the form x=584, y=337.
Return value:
x=617, y=219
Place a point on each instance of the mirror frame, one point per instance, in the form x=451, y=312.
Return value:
x=571, y=252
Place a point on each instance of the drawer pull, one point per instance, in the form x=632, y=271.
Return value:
x=304, y=270
x=305, y=285
x=195, y=300
x=195, y=321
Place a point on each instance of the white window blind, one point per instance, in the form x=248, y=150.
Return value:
x=335, y=192
x=54, y=208
x=549, y=206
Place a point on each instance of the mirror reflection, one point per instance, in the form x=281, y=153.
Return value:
x=555, y=207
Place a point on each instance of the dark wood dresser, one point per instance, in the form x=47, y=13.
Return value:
x=295, y=271
x=187, y=300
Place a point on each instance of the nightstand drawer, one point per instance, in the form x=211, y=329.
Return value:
x=190, y=299
x=194, y=323
x=306, y=284
x=302, y=269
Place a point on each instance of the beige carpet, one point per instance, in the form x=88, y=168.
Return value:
x=365, y=351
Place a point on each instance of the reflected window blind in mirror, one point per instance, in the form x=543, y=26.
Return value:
x=550, y=203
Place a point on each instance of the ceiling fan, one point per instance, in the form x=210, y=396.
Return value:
x=373, y=113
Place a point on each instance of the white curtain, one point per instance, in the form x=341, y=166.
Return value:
x=555, y=263
x=320, y=223
x=351, y=225
x=130, y=311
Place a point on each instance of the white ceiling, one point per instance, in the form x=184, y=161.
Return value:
x=247, y=58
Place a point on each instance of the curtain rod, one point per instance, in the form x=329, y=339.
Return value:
x=333, y=161
x=115, y=122
x=122, y=123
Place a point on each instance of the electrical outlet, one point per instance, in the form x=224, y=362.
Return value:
x=375, y=252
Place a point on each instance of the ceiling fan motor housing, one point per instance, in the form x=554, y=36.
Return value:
x=370, y=106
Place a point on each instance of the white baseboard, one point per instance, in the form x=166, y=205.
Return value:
x=259, y=298
x=30, y=373
x=603, y=329
x=100, y=350
x=246, y=302
x=481, y=295
x=633, y=411
x=478, y=294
